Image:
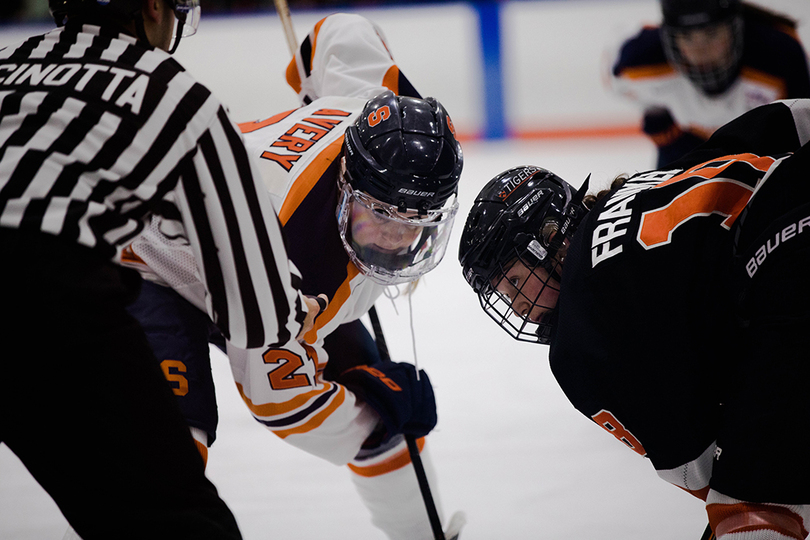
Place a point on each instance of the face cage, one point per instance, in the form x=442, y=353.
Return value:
x=499, y=306
x=412, y=262
x=714, y=81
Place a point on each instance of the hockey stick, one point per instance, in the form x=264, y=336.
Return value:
x=708, y=534
x=413, y=449
x=283, y=11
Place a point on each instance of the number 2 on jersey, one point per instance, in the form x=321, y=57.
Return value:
x=284, y=377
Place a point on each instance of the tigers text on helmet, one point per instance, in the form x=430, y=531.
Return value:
x=704, y=40
x=399, y=181
x=513, y=245
x=187, y=13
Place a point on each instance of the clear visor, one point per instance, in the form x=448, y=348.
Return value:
x=188, y=17
x=390, y=246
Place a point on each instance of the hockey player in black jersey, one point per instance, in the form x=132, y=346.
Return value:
x=100, y=129
x=707, y=63
x=676, y=305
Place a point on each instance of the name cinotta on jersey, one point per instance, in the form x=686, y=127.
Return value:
x=106, y=80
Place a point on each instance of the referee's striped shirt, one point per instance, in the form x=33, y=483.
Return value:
x=98, y=131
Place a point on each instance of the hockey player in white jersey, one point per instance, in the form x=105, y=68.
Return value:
x=364, y=180
x=709, y=62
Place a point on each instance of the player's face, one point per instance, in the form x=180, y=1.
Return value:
x=532, y=291
x=375, y=231
x=705, y=48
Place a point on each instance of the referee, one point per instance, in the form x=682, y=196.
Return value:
x=99, y=130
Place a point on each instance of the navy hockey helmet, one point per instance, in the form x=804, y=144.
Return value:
x=187, y=13
x=513, y=245
x=403, y=151
x=399, y=181
x=718, y=20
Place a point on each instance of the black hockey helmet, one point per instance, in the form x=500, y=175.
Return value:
x=697, y=13
x=403, y=151
x=685, y=16
x=398, y=184
x=187, y=13
x=525, y=215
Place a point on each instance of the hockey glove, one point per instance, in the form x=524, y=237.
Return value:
x=671, y=140
x=405, y=404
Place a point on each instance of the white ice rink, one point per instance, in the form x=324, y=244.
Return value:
x=509, y=449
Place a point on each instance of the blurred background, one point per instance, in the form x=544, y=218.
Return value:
x=525, y=83
x=503, y=69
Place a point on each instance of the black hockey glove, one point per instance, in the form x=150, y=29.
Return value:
x=405, y=405
x=672, y=142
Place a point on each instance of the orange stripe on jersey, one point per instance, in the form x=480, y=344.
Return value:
x=317, y=419
x=307, y=179
x=393, y=463
x=203, y=450
x=701, y=494
x=721, y=196
x=391, y=79
x=276, y=409
x=293, y=77
x=337, y=301
x=249, y=127
x=648, y=72
x=742, y=517
x=778, y=83
x=315, y=32
x=703, y=170
x=129, y=256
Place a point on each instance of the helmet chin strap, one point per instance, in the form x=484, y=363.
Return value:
x=178, y=35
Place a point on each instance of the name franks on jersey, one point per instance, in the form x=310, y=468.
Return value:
x=302, y=136
x=607, y=236
x=720, y=187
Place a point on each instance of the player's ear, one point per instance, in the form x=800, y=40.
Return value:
x=152, y=10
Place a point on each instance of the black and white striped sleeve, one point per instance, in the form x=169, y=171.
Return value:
x=253, y=288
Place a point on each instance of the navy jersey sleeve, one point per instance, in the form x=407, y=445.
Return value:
x=644, y=49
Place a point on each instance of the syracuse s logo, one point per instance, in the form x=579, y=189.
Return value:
x=381, y=114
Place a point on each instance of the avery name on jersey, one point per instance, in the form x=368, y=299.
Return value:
x=302, y=136
x=609, y=234
x=106, y=80
x=771, y=244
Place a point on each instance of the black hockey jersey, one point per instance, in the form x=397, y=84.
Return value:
x=652, y=322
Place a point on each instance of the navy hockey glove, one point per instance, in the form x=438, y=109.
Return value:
x=671, y=140
x=405, y=405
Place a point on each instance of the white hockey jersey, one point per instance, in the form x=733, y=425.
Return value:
x=773, y=66
x=341, y=64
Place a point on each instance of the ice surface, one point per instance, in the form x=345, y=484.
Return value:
x=509, y=449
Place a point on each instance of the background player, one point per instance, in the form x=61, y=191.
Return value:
x=100, y=129
x=665, y=308
x=365, y=190
x=708, y=62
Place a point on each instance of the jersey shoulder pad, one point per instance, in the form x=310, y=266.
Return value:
x=644, y=50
